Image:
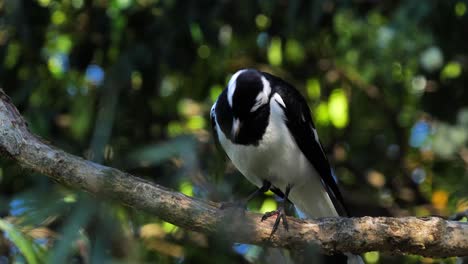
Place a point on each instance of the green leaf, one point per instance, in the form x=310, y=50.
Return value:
x=24, y=244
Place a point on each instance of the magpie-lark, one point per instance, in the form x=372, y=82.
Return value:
x=265, y=127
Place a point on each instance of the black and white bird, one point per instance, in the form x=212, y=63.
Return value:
x=265, y=127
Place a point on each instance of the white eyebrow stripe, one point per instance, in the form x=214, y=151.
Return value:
x=232, y=86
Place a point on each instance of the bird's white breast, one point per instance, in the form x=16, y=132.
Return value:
x=278, y=159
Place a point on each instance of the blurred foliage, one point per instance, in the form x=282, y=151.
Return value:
x=129, y=83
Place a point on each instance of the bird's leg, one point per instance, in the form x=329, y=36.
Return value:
x=280, y=212
x=243, y=202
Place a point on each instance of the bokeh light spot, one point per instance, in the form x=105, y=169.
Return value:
x=376, y=178
x=418, y=175
x=44, y=3
x=58, y=17
x=419, y=134
x=168, y=86
x=372, y=257
x=58, y=64
x=13, y=53
x=64, y=43
x=196, y=32
x=225, y=34
x=338, y=108
x=94, y=74
x=268, y=205
x=262, y=21
x=294, y=51
x=174, y=128
x=69, y=198
x=432, y=59
x=451, y=70
x=275, y=56
x=169, y=228
x=77, y=3
x=262, y=39
x=440, y=199
x=313, y=88
x=204, y=51
x=460, y=9
x=215, y=91
x=418, y=84
x=123, y=4
x=196, y=123
x=321, y=114
x=137, y=80
x=186, y=188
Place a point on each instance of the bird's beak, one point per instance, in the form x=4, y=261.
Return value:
x=236, y=124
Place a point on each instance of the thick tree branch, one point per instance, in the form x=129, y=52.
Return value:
x=432, y=236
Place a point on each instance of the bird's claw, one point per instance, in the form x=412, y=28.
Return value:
x=269, y=214
x=280, y=215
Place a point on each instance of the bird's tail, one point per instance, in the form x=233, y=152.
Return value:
x=354, y=259
x=313, y=201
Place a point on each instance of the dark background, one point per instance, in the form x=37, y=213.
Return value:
x=129, y=83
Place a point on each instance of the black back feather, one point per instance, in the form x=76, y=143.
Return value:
x=300, y=124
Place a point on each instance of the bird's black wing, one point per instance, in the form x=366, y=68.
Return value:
x=301, y=126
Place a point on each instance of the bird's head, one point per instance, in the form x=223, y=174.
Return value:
x=248, y=95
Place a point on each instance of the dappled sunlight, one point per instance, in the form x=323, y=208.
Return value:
x=130, y=83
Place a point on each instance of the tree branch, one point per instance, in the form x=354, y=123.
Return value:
x=431, y=236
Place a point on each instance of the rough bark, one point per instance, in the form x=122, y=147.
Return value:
x=430, y=236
